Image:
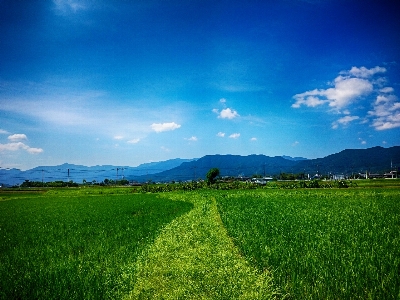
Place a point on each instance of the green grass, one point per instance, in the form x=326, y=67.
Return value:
x=194, y=258
x=320, y=244
x=74, y=246
x=113, y=243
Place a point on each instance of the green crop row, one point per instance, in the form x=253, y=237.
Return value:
x=76, y=247
x=320, y=244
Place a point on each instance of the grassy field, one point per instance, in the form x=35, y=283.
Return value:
x=320, y=244
x=113, y=243
x=70, y=246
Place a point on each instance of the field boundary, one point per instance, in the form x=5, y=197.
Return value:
x=194, y=258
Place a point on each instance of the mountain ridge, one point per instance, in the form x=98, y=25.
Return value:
x=348, y=161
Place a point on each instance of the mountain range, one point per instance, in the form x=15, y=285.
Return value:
x=346, y=162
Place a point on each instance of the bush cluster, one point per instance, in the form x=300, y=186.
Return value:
x=242, y=185
x=315, y=184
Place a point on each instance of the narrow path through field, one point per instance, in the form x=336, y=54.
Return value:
x=193, y=258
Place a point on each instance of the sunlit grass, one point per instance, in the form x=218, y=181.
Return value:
x=330, y=244
x=110, y=243
x=76, y=247
x=194, y=258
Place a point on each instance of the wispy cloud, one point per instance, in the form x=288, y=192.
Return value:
x=2, y=131
x=133, y=141
x=221, y=134
x=240, y=87
x=344, y=121
x=385, y=113
x=253, y=139
x=74, y=108
x=363, y=72
x=160, y=127
x=234, y=135
x=67, y=6
x=192, y=139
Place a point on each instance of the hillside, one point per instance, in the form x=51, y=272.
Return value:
x=376, y=159
x=346, y=162
x=78, y=173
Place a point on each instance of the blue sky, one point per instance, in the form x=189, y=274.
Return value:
x=128, y=82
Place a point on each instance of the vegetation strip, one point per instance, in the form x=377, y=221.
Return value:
x=194, y=258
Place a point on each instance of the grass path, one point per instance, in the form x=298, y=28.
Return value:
x=194, y=258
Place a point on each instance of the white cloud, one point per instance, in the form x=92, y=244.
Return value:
x=222, y=100
x=363, y=142
x=352, y=86
x=234, y=135
x=295, y=143
x=160, y=127
x=17, y=137
x=2, y=131
x=309, y=99
x=349, y=86
x=19, y=146
x=387, y=90
x=134, y=141
x=34, y=150
x=345, y=92
x=385, y=113
x=118, y=137
x=253, y=139
x=228, y=113
x=193, y=139
x=363, y=72
x=221, y=134
x=165, y=149
x=344, y=121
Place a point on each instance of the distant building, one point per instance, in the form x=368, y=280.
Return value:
x=391, y=175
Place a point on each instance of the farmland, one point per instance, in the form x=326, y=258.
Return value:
x=63, y=247
x=108, y=243
x=320, y=244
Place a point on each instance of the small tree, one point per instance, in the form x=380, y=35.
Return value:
x=212, y=175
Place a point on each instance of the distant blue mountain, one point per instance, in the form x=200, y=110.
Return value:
x=78, y=173
x=376, y=159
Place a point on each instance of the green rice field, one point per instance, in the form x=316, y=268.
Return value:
x=269, y=243
x=76, y=247
x=325, y=244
